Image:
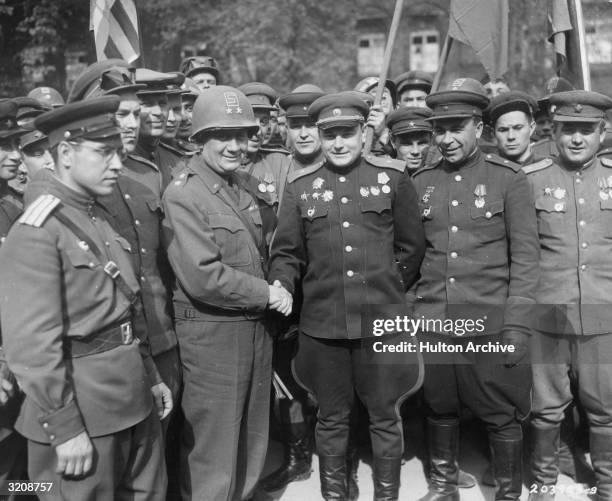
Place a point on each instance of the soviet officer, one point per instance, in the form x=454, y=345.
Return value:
x=88, y=412
x=214, y=236
x=573, y=198
x=349, y=232
x=411, y=135
x=412, y=88
x=481, y=263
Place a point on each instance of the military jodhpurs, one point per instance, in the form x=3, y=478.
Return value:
x=500, y=396
x=559, y=359
x=227, y=371
x=333, y=370
x=128, y=466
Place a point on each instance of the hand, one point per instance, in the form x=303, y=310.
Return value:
x=376, y=120
x=520, y=341
x=7, y=390
x=163, y=399
x=280, y=299
x=75, y=456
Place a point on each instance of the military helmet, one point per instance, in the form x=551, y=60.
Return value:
x=222, y=107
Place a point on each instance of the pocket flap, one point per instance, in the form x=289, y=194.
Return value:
x=375, y=204
x=82, y=259
x=225, y=221
x=605, y=204
x=314, y=211
x=550, y=204
x=488, y=210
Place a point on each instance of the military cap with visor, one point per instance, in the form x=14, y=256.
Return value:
x=415, y=79
x=27, y=109
x=32, y=137
x=90, y=82
x=157, y=82
x=579, y=106
x=260, y=95
x=464, y=98
x=553, y=85
x=297, y=102
x=8, y=119
x=190, y=89
x=92, y=120
x=506, y=102
x=342, y=109
x=369, y=84
x=199, y=64
x=409, y=119
x=222, y=107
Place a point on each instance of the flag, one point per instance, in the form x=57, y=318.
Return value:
x=483, y=25
x=563, y=36
x=115, y=28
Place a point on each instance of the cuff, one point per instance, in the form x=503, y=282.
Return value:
x=260, y=293
x=63, y=424
x=519, y=314
x=151, y=369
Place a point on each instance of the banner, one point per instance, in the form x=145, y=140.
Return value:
x=115, y=27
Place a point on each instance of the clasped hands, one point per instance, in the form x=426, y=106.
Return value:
x=280, y=299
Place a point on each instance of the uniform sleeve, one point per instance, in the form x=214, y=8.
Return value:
x=409, y=233
x=32, y=328
x=288, y=250
x=196, y=261
x=524, y=251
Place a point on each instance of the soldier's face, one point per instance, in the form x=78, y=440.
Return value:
x=273, y=129
x=90, y=167
x=412, y=148
x=494, y=89
x=153, y=115
x=386, y=101
x=544, y=127
x=9, y=158
x=184, y=129
x=578, y=142
x=204, y=80
x=303, y=136
x=513, y=132
x=175, y=115
x=413, y=97
x=457, y=138
x=35, y=158
x=128, y=117
x=262, y=117
x=222, y=150
x=341, y=145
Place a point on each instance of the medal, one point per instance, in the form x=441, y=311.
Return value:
x=603, y=195
x=559, y=193
x=559, y=206
x=375, y=190
x=479, y=203
x=383, y=178
x=304, y=196
x=268, y=178
x=262, y=187
x=270, y=188
x=83, y=245
x=547, y=191
x=311, y=211
x=480, y=191
x=364, y=191
x=386, y=189
x=426, y=211
x=328, y=196
x=609, y=181
x=317, y=184
x=316, y=195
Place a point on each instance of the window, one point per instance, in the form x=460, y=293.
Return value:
x=425, y=50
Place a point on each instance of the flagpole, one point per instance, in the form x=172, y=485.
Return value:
x=448, y=42
x=397, y=14
x=584, y=59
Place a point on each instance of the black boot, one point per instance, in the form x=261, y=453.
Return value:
x=387, y=478
x=352, y=464
x=298, y=460
x=507, y=467
x=443, y=442
x=332, y=470
x=601, y=457
x=544, y=461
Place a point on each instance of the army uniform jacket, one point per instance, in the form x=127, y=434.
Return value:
x=574, y=210
x=217, y=263
x=164, y=157
x=54, y=288
x=482, y=247
x=353, y=237
x=136, y=214
x=270, y=171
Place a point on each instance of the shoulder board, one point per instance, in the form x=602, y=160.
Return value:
x=171, y=148
x=386, y=162
x=142, y=160
x=179, y=178
x=503, y=162
x=296, y=174
x=606, y=161
x=39, y=210
x=427, y=167
x=535, y=167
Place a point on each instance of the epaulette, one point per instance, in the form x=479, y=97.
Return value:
x=171, y=148
x=39, y=210
x=535, y=167
x=502, y=162
x=604, y=152
x=143, y=160
x=179, y=178
x=427, y=167
x=296, y=174
x=386, y=162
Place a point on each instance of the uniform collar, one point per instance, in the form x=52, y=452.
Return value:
x=472, y=160
x=69, y=196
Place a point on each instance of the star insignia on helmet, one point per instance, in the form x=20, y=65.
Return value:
x=229, y=111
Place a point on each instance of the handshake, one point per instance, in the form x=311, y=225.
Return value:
x=280, y=299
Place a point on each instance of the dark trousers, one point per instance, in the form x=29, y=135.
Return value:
x=227, y=370
x=333, y=370
x=498, y=395
x=128, y=465
x=563, y=362
x=13, y=461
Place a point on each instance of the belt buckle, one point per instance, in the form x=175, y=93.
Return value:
x=126, y=333
x=111, y=269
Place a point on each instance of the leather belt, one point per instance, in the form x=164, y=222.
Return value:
x=98, y=342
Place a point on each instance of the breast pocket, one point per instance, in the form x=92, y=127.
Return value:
x=231, y=237
x=377, y=205
x=488, y=221
x=313, y=212
x=551, y=215
x=80, y=258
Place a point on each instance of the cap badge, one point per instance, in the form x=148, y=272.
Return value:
x=457, y=84
x=231, y=102
x=578, y=108
x=317, y=184
x=411, y=125
x=328, y=196
x=336, y=112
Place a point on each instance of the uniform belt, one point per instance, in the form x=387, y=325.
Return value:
x=103, y=340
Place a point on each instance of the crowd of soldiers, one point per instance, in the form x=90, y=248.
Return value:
x=176, y=251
